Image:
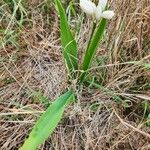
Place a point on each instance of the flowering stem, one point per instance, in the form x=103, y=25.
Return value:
x=93, y=29
x=91, y=50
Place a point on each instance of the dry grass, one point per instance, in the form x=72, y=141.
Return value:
x=33, y=73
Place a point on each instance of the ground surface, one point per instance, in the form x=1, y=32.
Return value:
x=32, y=70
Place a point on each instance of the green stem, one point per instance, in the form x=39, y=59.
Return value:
x=91, y=50
x=93, y=29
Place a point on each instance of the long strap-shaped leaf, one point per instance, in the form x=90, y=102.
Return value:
x=68, y=42
x=93, y=45
x=47, y=122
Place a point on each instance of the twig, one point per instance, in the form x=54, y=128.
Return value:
x=132, y=127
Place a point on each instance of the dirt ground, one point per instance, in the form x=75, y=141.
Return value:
x=33, y=73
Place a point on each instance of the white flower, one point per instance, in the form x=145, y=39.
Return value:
x=87, y=6
x=96, y=11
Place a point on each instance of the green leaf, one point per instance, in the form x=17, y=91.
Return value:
x=106, y=90
x=47, y=122
x=148, y=120
x=91, y=50
x=68, y=41
x=147, y=66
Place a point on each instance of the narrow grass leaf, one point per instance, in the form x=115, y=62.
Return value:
x=106, y=90
x=91, y=50
x=148, y=120
x=47, y=122
x=68, y=42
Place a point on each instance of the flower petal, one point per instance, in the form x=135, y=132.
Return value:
x=108, y=14
x=87, y=6
x=98, y=13
x=102, y=4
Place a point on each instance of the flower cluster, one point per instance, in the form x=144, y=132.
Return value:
x=98, y=11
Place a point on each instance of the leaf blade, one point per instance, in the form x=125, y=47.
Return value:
x=47, y=122
x=70, y=50
x=91, y=50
